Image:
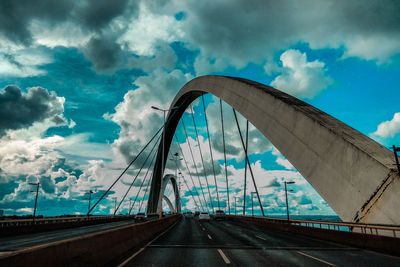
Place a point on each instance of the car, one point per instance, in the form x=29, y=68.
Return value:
x=189, y=215
x=219, y=215
x=140, y=217
x=204, y=216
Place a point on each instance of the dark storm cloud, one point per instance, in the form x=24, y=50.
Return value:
x=15, y=16
x=20, y=110
x=47, y=185
x=103, y=52
x=218, y=145
x=258, y=28
x=96, y=14
x=274, y=183
x=93, y=15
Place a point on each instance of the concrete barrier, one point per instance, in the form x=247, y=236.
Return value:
x=51, y=225
x=383, y=244
x=104, y=248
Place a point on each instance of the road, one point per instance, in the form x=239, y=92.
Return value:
x=12, y=243
x=217, y=243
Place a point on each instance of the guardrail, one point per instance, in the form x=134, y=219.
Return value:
x=373, y=229
x=40, y=221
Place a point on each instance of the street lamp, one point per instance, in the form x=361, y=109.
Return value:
x=176, y=159
x=287, y=205
x=396, y=157
x=37, y=192
x=252, y=204
x=90, y=197
x=235, y=203
x=115, y=204
x=162, y=159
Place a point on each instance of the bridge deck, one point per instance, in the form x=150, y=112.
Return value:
x=215, y=243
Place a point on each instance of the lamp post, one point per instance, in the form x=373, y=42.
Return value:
x=235, y=203
x=176, y=159
x=162, y=159
x=252, y=203
x=396, y=157
x=90, y=197
x=115, y=204
x=287, y=204
x=37, y=193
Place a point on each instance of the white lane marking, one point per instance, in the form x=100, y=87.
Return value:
x=203, y=229
x=209, y=237
x=223, y=256
x=260, y=237
x=317, y=259
x=143, y=248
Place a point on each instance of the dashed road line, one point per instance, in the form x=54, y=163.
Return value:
x=260, y=237
x=125, y=262
x=223, y=256
x=315, y=258
x=209, y=237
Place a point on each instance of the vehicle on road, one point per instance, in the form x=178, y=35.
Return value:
x=219, y=215
x=204, y=216
x=140, y=217
x=189, y=215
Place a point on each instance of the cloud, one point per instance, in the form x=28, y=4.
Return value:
x=103, y=52
x=137, y=120
x=20, y=110
x=269, y=26
x=389, y=128
x=274, y=183
x=16, y=16
x=299, y=77
x=97, y=14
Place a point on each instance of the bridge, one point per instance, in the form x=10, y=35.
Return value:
x=355, y=175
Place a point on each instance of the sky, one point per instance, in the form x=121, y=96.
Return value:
x=78, y=79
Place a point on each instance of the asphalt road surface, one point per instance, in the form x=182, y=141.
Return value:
x=218, y=243
x=12, y=243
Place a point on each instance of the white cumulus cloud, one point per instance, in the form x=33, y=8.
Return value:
x=389, y=128
x=300, y=77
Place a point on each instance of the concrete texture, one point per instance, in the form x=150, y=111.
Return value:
x=353, y=173
x=98, y=249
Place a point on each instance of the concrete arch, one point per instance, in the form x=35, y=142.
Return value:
x=170, y=178
x=354, y=174
x=169, y=203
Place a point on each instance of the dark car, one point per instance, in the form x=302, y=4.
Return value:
x=140, y=217
x=219, y=215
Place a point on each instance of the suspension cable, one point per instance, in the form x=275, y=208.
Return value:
x=223, y=141
x=190, y=175
x=245, y=167
x=201, y=156
x=190, y=191
x=251, y=171
x=180, y=173
x=194, y=162
x=129, y=165
x=144, y=179
x=137, y=175
x=209, y=143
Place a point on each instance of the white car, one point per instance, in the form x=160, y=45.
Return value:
x=204, y=216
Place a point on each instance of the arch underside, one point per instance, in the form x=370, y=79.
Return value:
x=354, y=174
x=169, y=178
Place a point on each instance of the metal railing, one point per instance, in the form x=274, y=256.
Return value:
x=372, y=229
x=39, y=221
